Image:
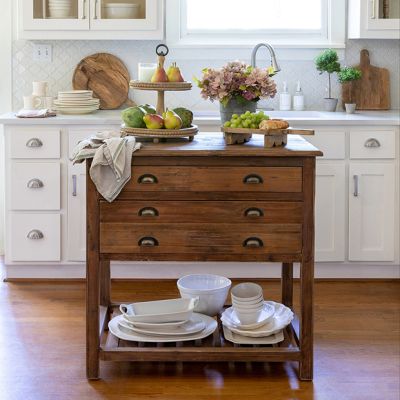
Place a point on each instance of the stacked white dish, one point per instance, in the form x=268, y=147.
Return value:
x=76, y=102
x=162, y=321
x=121, y=10
x=60, y=8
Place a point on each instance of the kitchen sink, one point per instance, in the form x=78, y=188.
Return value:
x=294, y=114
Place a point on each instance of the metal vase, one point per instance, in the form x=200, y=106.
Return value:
x=330, y=104
x=350, y=108
x=236, y=107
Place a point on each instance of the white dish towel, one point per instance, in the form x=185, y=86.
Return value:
x=111, y=164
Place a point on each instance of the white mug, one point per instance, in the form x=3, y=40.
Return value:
x=47, y=102
x=39, y=88
x=32, y=102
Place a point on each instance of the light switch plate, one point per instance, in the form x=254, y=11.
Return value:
x=42, y=52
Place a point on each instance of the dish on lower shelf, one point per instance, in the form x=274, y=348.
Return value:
x=239, y=339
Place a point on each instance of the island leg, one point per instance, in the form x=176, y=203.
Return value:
x=105, y=283
x=287, y=284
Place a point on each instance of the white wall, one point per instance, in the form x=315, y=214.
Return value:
x=5, y=93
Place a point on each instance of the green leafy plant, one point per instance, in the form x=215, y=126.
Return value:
x=328, y=61
x=349, y=74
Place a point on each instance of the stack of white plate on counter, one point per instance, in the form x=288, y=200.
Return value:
x=76, y=102
x=161, y=322
x=60, y=8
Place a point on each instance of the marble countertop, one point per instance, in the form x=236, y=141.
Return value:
x=306, y=118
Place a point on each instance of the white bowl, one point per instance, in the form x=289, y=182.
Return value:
x=245, y=306
x=246, y=291
x=247, y=303
x=212, y=291
x=245, y=317
x=121, y=11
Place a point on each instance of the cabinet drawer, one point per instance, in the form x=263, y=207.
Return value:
x=153, y=212
x=35, y=186
x=175, y=238
x=35, y=143
x=372, y=144
x=215, y=179
x=331, y=143
x=35, y=237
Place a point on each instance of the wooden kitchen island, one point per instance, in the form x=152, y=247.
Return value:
x=206, y=201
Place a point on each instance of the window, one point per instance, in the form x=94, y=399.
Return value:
x=298, y=24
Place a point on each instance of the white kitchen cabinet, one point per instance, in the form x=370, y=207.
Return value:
x=88, y=19
x=373, y=19
x=330, y=212
x=371, y=211
x=76, y=212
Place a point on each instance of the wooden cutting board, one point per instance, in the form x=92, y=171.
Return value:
x=372, y=91
x=107, y=76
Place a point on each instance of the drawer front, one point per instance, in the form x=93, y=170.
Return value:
x=35, y=186
x=372, y=144
x=216, y=179
x=35, y=237
x=153, y=212
x=175, y=238
x=331, y=143
x=35, y=143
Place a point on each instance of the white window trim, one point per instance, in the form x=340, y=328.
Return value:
x=206, y=46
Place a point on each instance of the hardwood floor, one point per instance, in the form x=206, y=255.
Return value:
x=42, y=349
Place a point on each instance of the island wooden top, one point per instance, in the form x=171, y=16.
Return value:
x=213, y=144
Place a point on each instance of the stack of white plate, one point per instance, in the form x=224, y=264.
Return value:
x=161, y=322
x=76, y=102
x=60, y=8
x=267, y=330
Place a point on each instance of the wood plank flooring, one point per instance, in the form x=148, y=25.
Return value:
x=42, y=349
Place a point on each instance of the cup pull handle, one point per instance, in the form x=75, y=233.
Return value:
x=35, y=234
x=148, y=212
x=253, y=242
x=34, y=142
x=148, y=242
x=372, y=142
x=147, y=179
x=253, y=212
x=253, y=179
x=35, y=184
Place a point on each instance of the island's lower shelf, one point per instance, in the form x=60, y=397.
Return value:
x=214, y=348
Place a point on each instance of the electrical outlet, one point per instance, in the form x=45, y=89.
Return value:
x=42, y=52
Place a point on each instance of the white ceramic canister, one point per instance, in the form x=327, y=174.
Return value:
x=39, y=88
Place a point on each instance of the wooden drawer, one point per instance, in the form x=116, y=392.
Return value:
x=154, y=212
x=372, y=144
x=35, y=186
x=35, y=237
x=175, y=238
x=35, y=142
x=215, y=179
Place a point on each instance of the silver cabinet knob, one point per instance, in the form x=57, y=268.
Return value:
x=34, y=142
x=148, y=212
x=35, y=184
x=35, y=234
x=148, y=242
x=253, y=242
x=253, y=179
x=253, y=212
x=147, y=179
x=372, y=142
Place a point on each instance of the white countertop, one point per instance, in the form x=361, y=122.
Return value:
x=309, y=118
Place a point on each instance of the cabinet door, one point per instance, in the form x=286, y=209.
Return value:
x=330, y=212
x=77, y=212
x=371, y=212
x=55, y=15
x=132, y=15
x=383, y=15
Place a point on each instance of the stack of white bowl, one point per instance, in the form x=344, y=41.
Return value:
x=76, y=102
x=60, y=8
x=248, y=302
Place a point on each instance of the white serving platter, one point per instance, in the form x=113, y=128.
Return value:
x=125, y=334
x=239, y=339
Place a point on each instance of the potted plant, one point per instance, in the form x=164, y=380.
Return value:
x=347, y=75
x=328, y=62
x=237, y=86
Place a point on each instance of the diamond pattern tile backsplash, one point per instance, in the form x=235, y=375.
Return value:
x=67, y=54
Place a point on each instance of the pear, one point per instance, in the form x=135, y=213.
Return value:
x=159, y=75
x=172, y=120
x=153, y=121
x=174, y=73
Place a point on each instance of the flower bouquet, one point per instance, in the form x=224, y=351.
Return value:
x=237, y=86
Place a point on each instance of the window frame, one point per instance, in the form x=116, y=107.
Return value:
x=290, y=45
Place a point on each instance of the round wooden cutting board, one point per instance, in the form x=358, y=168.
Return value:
x=107, y=76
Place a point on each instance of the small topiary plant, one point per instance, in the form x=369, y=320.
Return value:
x=328, y=61
x=349, y=74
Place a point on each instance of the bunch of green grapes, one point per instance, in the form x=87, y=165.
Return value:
x=246, y=120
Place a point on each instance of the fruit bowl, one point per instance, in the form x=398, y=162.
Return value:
x=161, y=86
x=157, y=134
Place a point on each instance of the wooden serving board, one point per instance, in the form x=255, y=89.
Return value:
x=372, y=91
x=107, y=76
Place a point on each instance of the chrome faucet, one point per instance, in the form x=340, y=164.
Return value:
x=274, y=63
